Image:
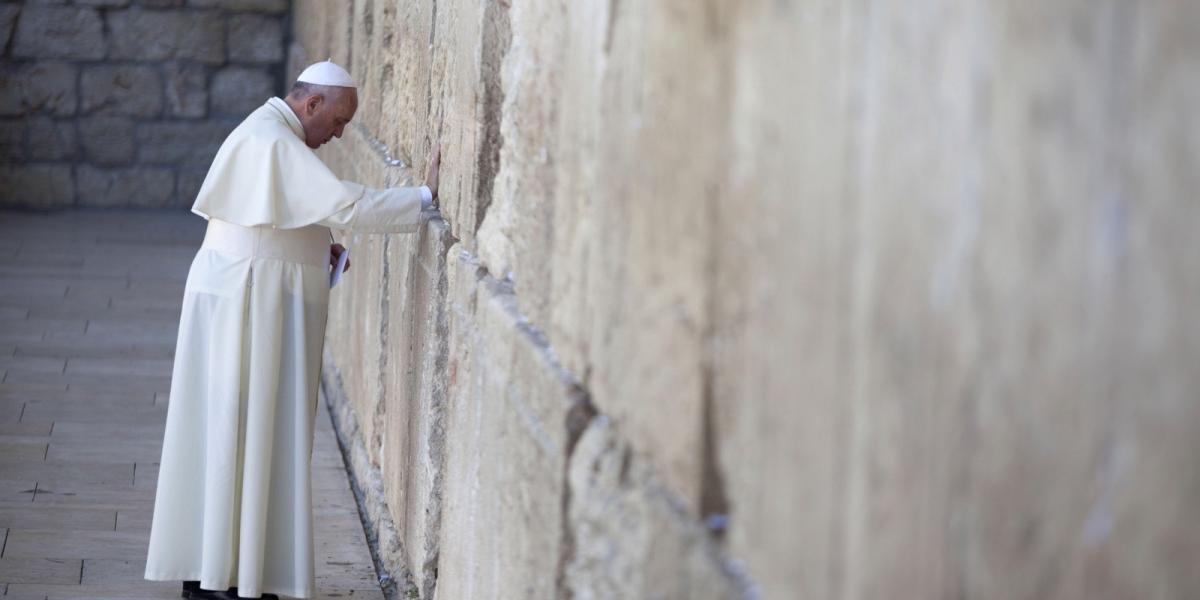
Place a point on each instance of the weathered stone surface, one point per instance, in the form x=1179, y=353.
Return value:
x=105, y=3
x=12, y=140
x=59, y=32
x=162, y=35
x=121, y=90
x=471, y=41
x=873, y=285
x=52, y=140
x=107, y=140
x=255, y=39
x=620, y=305
x=266, y=6
x=414, y=443
x=8, y=17
x=186, y=90
x=190, y=144
x=47, y=87
x=133, y=186
x=37, y=185
x=513, y=417
x=237, y=91
x=630, y=538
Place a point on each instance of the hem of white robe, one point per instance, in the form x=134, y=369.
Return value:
x=208, y=584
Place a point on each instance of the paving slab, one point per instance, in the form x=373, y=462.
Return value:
x=89, y=312
x=40, y=570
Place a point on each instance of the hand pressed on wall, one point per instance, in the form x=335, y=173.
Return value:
x=335, y=251
x=431, y=173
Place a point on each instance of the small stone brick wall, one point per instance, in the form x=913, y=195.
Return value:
x=125, y=102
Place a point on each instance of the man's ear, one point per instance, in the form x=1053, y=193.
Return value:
x=312, y=104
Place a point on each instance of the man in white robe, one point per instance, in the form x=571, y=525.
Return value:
x=233, y=506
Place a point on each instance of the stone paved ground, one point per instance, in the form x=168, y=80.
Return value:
x=89, y=305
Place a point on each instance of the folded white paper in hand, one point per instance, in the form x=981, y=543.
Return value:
x=336, y=275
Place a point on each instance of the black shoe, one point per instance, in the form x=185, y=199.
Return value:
x=192, y=589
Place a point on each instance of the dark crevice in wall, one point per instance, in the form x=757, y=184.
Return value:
x=380, y=415
x=497, y=37
x=280, y=71
x=612, y=25
x=12, y=34
x=438, y=398
x=714, y=499
x=714, y=503
x=368, y=18
x=580, y=414
x=429, y=82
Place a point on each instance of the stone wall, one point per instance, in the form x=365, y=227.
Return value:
x=124, y=103
x=775, y=298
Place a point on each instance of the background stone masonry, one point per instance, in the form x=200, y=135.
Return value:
x=125, y=102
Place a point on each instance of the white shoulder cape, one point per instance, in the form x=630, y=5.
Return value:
x=264, y=174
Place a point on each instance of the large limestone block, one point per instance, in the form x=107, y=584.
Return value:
x=780, y=393
x=237, y=91
x=51, y=140
x=131, y=186
x=107, y=140
x=514, y=236
x=403, y=79
x=629, y=537
x=966, y=304
x=121, y=90
x=359, y=318
x=255, y=39
x=59, y=32
x=192, y=144
x=602, y=209
x=162, y=35
x=414, y=442
x=186, y=90
x=12, y=140
x=1085, y=420
x=47, y=87
x=324, y=30
x=468, y=49
x=512, y=416
x=361, y=331
x=37, y=185
x=637, y=180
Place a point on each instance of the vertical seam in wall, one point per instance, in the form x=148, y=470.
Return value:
x=380, y=413
x=496, y=40
x=429, y=80
x=281, y=69
x=12, y=36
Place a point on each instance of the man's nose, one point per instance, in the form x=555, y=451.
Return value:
x=338, y=132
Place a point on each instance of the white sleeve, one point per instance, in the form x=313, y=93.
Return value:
x=391, y=210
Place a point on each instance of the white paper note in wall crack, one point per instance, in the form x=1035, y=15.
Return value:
x=336, y=274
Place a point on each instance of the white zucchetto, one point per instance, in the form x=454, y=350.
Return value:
x=327, y=73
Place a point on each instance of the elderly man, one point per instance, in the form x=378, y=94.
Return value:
x=233, y=507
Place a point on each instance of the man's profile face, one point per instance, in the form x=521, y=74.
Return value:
x=326, y=115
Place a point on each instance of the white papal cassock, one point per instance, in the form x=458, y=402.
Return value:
x=233, y=505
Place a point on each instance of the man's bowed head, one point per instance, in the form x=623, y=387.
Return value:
x=325, y=99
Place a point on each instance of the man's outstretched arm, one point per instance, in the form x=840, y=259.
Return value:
x=391, y=210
